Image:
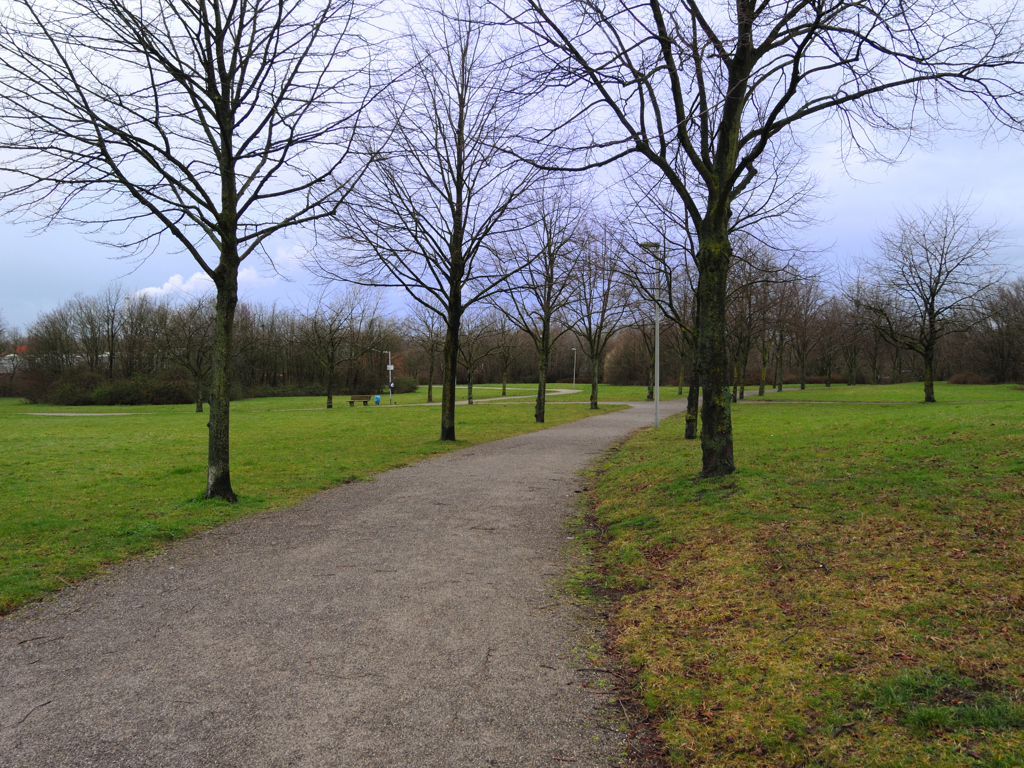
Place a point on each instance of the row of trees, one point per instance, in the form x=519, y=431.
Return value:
x=932, y=301
x=222, y=124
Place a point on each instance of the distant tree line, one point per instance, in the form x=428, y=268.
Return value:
x=583, y=311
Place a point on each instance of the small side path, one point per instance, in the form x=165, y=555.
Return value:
x=404, y=622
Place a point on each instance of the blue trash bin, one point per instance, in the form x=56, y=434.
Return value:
x=376, y=399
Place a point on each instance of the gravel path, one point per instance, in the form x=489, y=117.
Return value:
x=404, y=622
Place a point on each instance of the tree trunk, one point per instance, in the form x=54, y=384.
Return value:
x=218, y=475
x=448, y=365
x=716, y=417
x=504, y=382
x=764, y=374
x=199, y=395
x=650, y=379
x=693, y=393
x=542, y=384
x=593, y=384
x=469, y=388
x=682, y=361
x=430, y=381
x=330, y=389
x=929, y=385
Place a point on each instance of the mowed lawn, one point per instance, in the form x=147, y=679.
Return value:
x=852, y=596
x=98, y=484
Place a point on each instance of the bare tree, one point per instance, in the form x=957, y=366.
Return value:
x=804, y=313
x=136, y=344
x=477, y=342
x=339, y=329
x=704, y=92
x=443, y=188
x=510, y=343
x=1002, y=333
x=544, y=254
x=934, y=270
x=428, y=335
x=187, y=340
x=216, y=123
x=597, y=296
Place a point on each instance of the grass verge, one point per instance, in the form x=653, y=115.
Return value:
x=98, y=484
x=851, y=596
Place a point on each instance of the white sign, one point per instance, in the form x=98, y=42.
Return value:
x=391, y=367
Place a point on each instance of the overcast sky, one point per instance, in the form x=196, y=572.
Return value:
x=40, y=271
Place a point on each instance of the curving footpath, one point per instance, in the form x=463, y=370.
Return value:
x=404, y=622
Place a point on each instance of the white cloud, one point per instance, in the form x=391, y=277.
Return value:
x=199, y=283
x=249, y=276
x=291, y=256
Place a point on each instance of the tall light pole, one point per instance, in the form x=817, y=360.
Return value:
x=651, y=249
x=390, y=369
x=574, y=368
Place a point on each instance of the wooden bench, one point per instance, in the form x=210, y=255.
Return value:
x=364, y=399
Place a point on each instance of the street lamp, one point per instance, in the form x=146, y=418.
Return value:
x=574, y=368
x=651, y=249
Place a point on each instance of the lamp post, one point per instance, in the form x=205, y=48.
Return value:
x=651, y=249
x=390, y=369
x=574, y=368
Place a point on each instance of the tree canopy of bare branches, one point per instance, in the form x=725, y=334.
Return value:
x=934, y=270
x=598, y=296
x=214, y=123
x=705, y=90
x=441, y=189
x=544, y=254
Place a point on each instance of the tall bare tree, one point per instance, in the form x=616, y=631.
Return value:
x=704, y=91
x=443, y=189
x=215, y=123
x=934, y=270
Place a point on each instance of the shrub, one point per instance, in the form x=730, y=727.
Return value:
x=405, y=384
x=969, y=378
x=139, y=391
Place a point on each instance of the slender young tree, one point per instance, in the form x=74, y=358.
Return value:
x=544, y=254
x=339, y=329
x=442, y=189
x=187, y=340
x=428, y=334
x=509, y=349
x=215, y=123
x=478, y=342
x=598, y=296
x=703, y=91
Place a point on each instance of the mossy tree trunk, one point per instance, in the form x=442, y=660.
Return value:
x=716, y=416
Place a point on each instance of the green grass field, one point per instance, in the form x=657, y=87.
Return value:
x=891, y=393
x=85, y=490
x=851, y=596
